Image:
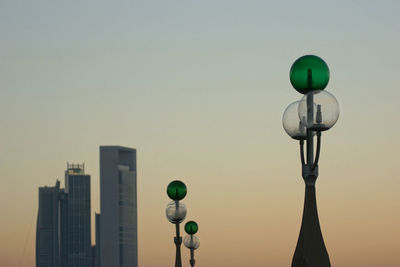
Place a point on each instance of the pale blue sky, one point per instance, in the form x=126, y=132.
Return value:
x=199, y=88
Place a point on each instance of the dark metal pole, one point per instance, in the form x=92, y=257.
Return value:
x=310, y=250
x=192, y=261
x=178, y=242
x=310, y=120
x=310, y=134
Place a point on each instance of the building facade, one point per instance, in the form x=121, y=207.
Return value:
x=118, y=205
x=77, y=233
x=48, y=227
x=63, y=230
x=96, y=256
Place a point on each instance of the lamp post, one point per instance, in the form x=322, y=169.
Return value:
x=191, y=241
x=176, y=213
x=317, y=111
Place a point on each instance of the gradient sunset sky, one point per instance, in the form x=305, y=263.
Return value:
x=199, y=89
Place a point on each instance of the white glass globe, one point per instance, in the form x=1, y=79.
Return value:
x=318, y=110
x=176, y=212
x=191, y=241
x=292, y=124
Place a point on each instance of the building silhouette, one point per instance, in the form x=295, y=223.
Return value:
x=48, y=227
x=77, y=231
x=63, y=230
x=118, y=206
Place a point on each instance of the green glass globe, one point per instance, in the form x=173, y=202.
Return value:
x=176, y=190
x=309, y=73
x=191, y=227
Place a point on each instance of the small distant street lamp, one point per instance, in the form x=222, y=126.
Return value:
x=191, y=241
x=176, y=213
x=316, y=112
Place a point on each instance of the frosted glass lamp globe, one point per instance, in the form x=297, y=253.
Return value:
x=292, y=124
x=176, y=212
x=191, y=242
x=318, y=110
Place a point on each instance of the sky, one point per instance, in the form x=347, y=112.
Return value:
x=199, y=89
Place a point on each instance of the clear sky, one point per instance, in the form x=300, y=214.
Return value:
x=199, y=88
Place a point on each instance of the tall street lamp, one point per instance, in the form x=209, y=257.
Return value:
x=176, y=213
x=317, y=111
x=191, y=241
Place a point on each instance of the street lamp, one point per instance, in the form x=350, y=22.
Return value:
x=176, y=213
x=317, y=111
x=191, y=241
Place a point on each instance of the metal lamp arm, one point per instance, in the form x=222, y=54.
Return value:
x=302, y=152
x=317, y=152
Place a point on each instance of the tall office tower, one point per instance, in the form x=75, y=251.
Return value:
x=48, y=226
x=118, y=204
x=76, y=235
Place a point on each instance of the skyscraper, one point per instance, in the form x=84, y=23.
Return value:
x=63, y=235
x=118, y=205
x=76, y=234
x=48, y=227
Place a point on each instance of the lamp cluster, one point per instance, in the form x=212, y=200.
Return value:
x=315, y=112
x=176, y=213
